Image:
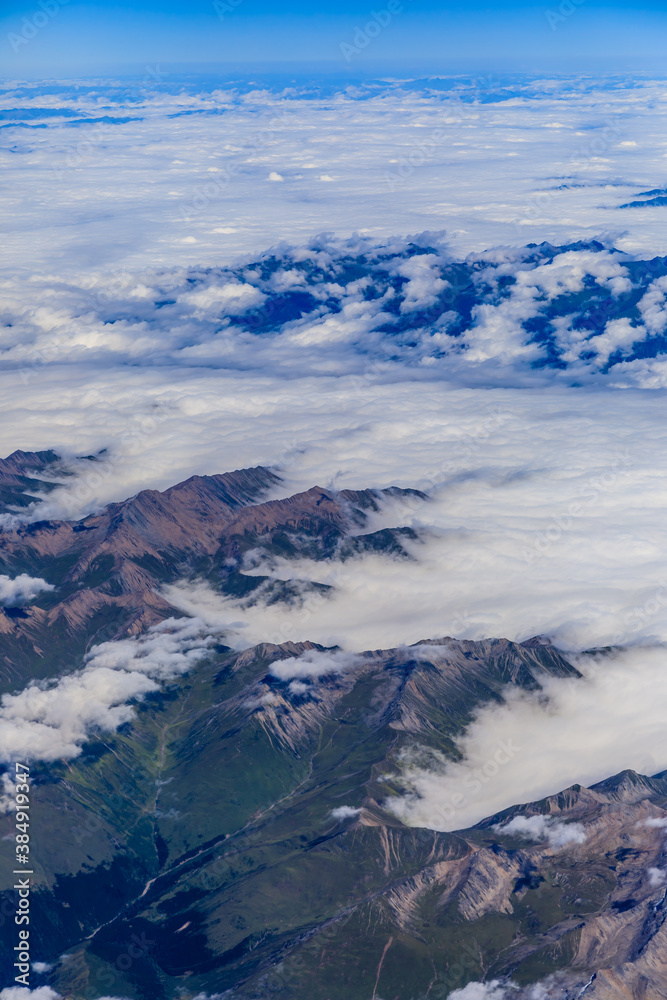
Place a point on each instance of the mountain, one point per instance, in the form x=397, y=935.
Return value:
x=24, y=474
x=205, y=825
x=108, y=568
x=234, y=833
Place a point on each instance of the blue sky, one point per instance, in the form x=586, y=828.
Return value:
x=66, y=37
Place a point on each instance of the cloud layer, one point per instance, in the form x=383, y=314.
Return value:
x=582, y=732
x=174, y=170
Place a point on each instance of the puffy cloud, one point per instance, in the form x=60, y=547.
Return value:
x=314, y=664
x=652, y=307
x=424, y=284
x=345, y=812
x=495, y=990
x=7, y=794
x=544, y=828
x=52, y=720
x=619, y=335
x=20, y=589
x=231, y=298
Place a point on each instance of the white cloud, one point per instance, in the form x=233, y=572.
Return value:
x=545, y=518
x=20, y=589
x=298, y=687
x=8, y=794
x=485, y=197
x=103, y=360
x=23, y=993
x=497, y=990
x=345, y=812
x=52, y=720
x=232, y=298
x=582, y=732
x=423, y=285
x=652, y=307
x=494, y=990
x=619, y=334
x=544, y=828
x=313, y=664
x=656, y=877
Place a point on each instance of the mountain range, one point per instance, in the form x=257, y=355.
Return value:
x=237, y=834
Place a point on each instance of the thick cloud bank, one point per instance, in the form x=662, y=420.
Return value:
x=169, y=169
x=52, y=721
x=19, y=589
x=546, y=517
x=532, y=746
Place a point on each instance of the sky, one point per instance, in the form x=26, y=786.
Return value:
x=54, y=37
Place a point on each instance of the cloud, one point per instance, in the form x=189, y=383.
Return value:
x=21, y=589
x=345, y=812
x=574, y=731
x=544, y=828
x=7, y=794
x=424, y=284
x=52, y=720
x=497, y=990
x=494, y=990
x=534, y=525
x=23, y=993
x=403, y=136
x=320, y=356
x=656, y=877
x=314, y=664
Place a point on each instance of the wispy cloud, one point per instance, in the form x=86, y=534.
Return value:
x=52, y=720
